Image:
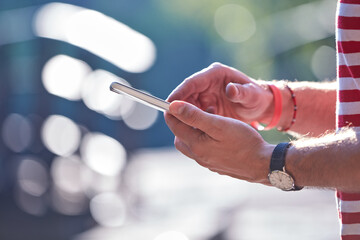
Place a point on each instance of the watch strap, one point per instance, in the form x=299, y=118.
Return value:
x=277, y=161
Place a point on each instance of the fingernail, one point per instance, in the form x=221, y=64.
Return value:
x=177, y=108
x=210, y=110
x=180, y=109
x=236, y=90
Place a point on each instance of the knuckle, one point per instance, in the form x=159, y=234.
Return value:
x=177, y=143
x=216, y=65
x=192, y=116
x=219, y=69
x=201, y=163
x=197, y=150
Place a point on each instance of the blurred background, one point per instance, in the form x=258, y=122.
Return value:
x=80, y=162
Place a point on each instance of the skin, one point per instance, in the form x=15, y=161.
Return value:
x=209, y=115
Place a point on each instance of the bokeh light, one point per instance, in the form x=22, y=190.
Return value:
x=53, y=19
x=97, y=96
x=295, y=30
x=67, y=174
x=68, y=195
x=325, y=11
x=17, y=132
x=324, y=71
x=32, y=184
x=112, y=40
x=30, y=204
x=141, y=117
x=97, y=33
x=108, y=209
x=63, y=76
x=173, y=235
x=234, y=23
x=32, y=176
x=302, y=27
x=60, y=135
x=103, y=154
x=96, y=183
x=66, y=203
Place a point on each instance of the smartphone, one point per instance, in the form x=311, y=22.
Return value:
x=140, y=96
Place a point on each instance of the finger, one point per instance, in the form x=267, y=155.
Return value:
x=182, y=131
x=192, y=85
x=186, y=150
x=241, y=93
x=198, y=82
x=183, y=148
x=196, y=118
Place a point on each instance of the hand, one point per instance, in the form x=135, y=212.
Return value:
x=222, y=144
x=225, y=91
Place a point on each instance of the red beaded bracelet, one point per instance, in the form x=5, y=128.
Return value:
x=277, y=112
x=295, y=109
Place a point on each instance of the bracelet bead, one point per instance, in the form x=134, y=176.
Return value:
x=293, y=120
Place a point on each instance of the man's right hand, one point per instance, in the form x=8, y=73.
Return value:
x=225, y=91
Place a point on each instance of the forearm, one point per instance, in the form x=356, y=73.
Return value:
x=332, y=161
x=316, y=103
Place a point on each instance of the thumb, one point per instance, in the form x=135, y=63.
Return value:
x=241, y=93
x=195, y=117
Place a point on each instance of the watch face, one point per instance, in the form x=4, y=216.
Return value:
x=281, y=180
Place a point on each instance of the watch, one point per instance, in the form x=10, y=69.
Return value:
x=278, y=177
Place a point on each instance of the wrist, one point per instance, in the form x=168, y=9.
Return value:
x=268, y=114
x=265, y=156
x=282, y=109
x=274, y=109
x=279, y=176
x=288, y=107
x=292, y=166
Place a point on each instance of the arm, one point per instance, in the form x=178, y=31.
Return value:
x=316, y=103
x=225, y=91
x=230, y=147
x=331, y=161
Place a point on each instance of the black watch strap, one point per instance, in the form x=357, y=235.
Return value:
x=277, y=161
x=278, y=157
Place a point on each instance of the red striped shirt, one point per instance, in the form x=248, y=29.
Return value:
x=349, y=95
x=349, y=71
x=349, y=22
x=348, y=75
x=351, y=237
x=350, y=1
x=348, y=47
x=350, y=218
